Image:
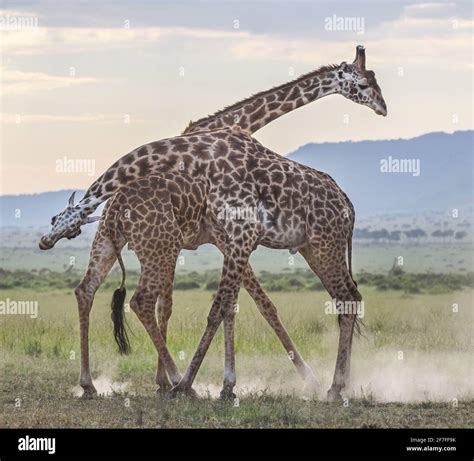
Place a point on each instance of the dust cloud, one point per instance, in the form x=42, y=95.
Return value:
x=383, y=376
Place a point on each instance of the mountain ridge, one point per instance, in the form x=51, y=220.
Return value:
x=444, y=181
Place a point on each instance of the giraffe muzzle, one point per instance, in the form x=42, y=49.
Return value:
x=45, y=244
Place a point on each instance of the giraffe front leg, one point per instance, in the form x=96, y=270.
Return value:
x=213, y=321
x=164, y=314
x=236, y=254
x=143, y=304
x=228, y=314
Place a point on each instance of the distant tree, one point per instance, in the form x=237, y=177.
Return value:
x=415, y=234
x=460, y=235
x=394, y=236
x=381, y=234
x=442, y=234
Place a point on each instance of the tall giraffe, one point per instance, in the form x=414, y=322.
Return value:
x=293, y=206
x=262, y=187
x=352, y=81
x=157, y=216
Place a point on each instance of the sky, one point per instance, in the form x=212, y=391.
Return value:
x=89, y=81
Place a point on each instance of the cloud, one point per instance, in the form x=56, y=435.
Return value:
x=391, y=51
x=17, y=82
x=429, y=8
x=50, y=40
x=418, y=36
x=81, y=118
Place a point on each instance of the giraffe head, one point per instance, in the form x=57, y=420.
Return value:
x=359, y=84
x=66, y=224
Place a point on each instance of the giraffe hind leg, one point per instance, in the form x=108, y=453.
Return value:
x=329, y=264
x=101, y=260
x=270, y=314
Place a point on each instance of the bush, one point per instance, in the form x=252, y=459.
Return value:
x=211, y=285
x=286, y=281
x=186, y=285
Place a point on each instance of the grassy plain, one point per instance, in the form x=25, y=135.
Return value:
x=413, y=368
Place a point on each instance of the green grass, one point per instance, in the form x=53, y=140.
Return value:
x=374, y=257
x=39, y=364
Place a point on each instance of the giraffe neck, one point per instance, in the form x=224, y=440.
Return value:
x=255, y=112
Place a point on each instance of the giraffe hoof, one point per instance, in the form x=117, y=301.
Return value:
x=312, y=386
x=334, y=395
x=227, y=394
x=89, y=392
x=181, y=390
x=163, y=388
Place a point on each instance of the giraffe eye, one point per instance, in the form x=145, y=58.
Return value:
x=363, y=87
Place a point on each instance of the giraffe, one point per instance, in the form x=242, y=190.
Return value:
x=293, y=206
x=157, y=216
x=233, y=165
x=352, y=81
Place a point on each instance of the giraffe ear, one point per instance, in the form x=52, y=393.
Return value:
x=70, y=202
x=359, y=60
x=91, y=219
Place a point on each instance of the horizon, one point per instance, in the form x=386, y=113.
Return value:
x=289, y=153
x=95, y=80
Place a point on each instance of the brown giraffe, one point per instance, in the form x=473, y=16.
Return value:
x=245, y=175
x=158, y=216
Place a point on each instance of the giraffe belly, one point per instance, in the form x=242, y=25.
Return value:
x=282, y=235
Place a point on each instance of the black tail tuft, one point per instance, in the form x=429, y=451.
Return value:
x=120, y=331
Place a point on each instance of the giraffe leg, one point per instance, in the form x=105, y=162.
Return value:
x=235, y=261
x=143, y=303
x=102, y=258
x=165, y=305
x=270, y=313
x=329, y=265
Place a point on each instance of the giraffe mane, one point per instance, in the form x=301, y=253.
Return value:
x=236, y=105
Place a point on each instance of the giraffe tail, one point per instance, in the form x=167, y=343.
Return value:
x=349, y=257
x=118, y=313
x=359, y=324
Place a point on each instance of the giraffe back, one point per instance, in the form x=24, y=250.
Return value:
x=158, y=210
